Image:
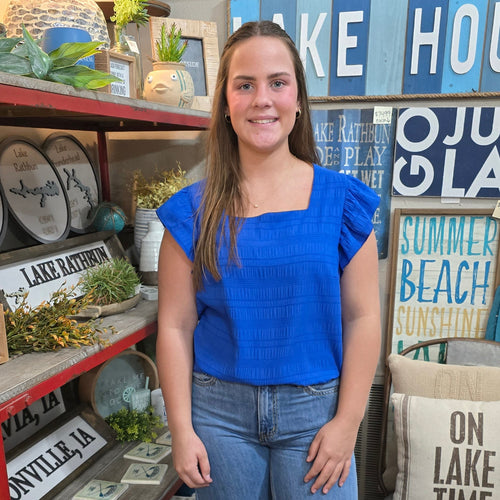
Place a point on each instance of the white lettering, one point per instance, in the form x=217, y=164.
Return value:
x=348, y=42
x=471, y=12
x=431, y=38
x=495, y=34
x=310, y=44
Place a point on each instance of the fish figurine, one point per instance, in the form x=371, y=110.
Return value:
x=174, y=87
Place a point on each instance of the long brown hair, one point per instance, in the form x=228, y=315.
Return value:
x=222, y=194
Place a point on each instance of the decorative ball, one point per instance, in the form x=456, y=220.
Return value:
x=108, y=217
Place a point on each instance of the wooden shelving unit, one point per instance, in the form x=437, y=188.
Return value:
x=27, y=102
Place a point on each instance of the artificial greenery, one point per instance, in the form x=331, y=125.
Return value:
x=110, y=282
x=48, y=326
x=130, y=11
x=152, y=193
x=134, y=425
x=23, y=56
x=170, y=47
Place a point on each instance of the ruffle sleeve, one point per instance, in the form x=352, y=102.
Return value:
x=178, y=215
x=359, y=206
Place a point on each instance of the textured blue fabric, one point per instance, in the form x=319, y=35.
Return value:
x=276, y=318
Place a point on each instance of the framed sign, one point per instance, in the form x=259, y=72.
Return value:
x=43, y=269
x=123, y=66
x=78, y=175
x=201, y=57
x=444, y=275
x=447, y=152
x=3, y=215
x=33, y=189
x=359, y=142
x=57, y=454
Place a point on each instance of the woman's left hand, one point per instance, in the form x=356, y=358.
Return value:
x=331, y=452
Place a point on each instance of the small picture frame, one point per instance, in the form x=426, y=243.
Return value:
x=122, y=66
x=201, y=57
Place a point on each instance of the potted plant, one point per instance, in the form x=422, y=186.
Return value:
x=125, y=12
x=112, y=287
x=149, y=194
x=28, y=59
x=169, y=82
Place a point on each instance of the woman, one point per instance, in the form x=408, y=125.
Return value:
x=268, y=321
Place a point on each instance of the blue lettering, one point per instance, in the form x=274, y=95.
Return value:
x=421, y=287
x=445, y=272
x=460, y=299
x=405, y=282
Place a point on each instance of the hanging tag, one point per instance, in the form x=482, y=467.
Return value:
x=132, y=44
x=496, y=212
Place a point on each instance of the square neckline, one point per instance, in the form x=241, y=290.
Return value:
x=286, y=212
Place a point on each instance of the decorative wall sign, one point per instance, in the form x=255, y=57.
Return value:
x=45, y=275
x=51, y=461
x=359, y=142
x=108, y=387
x=201, y=60
x=78, y=175
x=444, y=275
x=43, y=269
x=4, y=215
x=31, y=419
x=387, y=47
x=448, y=152
x=33, y=190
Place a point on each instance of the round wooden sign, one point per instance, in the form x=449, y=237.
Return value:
x=78, y=175
x=108, y=386
x=33, y=190
x=3, y=216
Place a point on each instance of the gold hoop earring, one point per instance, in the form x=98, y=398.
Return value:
x=227, y=118
x=298, y=113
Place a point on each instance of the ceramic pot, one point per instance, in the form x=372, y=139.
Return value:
x=169, y=83
x=150, y=251
x=143, y=216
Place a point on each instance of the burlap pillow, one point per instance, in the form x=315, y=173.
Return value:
x=434, y=380
x=447, y=448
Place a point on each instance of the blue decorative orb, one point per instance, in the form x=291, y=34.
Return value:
x=108, y=217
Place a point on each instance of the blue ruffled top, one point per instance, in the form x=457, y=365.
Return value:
x=276, y=317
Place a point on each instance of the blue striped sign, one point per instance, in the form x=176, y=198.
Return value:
x=313, y=37
x=490, y=77
x=425, y=39
x=282, y=12
x=242, y=11
x=463, y=47
x=386, y=47
x=350, y=23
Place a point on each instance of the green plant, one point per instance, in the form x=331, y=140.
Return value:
x=154, y=192
x=111, y=282
x=170, y=46
x=23, y=56
x=133, y=425
x=130, y=11
x=48, y=326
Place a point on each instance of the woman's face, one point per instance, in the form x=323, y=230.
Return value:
x=262, y=94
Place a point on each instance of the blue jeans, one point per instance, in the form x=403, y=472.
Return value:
x=257, y=438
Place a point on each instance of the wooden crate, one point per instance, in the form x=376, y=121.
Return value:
x=4, y=350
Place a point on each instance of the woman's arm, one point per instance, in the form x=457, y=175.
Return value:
x=332, y=448
x=177, y=318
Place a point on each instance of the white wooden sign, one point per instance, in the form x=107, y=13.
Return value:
x=444, y=277
x=46, y=274
x=28, y=421
x=52, y=459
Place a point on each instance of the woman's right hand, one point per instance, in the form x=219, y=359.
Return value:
x=191, y=460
